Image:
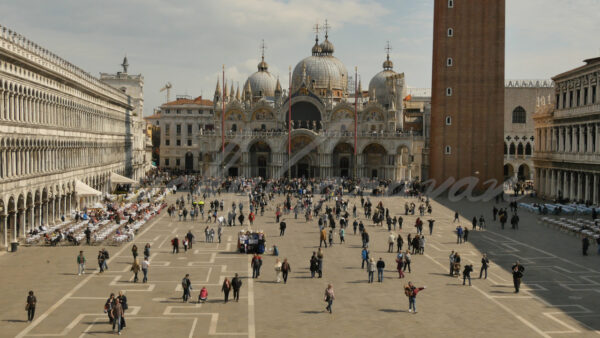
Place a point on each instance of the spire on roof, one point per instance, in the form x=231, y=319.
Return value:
x=237, y=92
x=278, y=86
x=232, y=91
x=218, y=89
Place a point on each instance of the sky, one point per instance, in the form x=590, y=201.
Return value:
x=186, y=42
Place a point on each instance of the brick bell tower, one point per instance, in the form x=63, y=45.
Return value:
x=467, y=100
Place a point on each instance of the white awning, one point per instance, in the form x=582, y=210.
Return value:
x=84, y=190
x=118, y=179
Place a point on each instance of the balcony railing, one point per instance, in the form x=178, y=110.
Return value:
x=320, y=133
x=576, y=111
x=568, y=157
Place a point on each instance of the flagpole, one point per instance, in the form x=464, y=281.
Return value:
x=355, y=119
x=290, y=124
x=223, y=124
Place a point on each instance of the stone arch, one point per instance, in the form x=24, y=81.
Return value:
x=509, y=171
x=260, y=153
x=528, y=149
x=512, y=149
x=520, y=149
x=524, y=172
x=374, y=160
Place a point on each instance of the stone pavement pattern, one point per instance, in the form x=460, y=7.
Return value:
x=558, y=298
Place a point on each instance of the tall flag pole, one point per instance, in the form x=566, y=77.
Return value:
x=355, y=117
x=290, y=123
x=223, y=122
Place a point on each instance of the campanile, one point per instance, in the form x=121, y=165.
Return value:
x=467, y=100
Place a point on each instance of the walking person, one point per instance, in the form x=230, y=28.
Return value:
x=108, y=307
x=100, y=261
x=399, y=265
x=329, y=297
x=123, y=301
x=285, y=270
x=186, y=284
x=517, y=271
x=380, y=267
x=411, y=292
x=431, y=221
x=452, y=263
x=485, y=263
x=467, y=273
x=466, y=234
x=30, y=306
x=145, y=265
x=342, y=235
x=282, y=226
x=225, y=289
x=277, y=271
x=399, y=242
x=117, y=316
x=459, y=234
x=323, y=237
x=371, y=269
x=135, y=268
x=391, y=241
x=320, y=262
x=455, y=217
x=256, y=263
x=147, y=250
x=134, y=251
x=236, y=285
x=585, y=244
x=407, y=260
x=365, y=257
x=80, y=263
x=314, y=265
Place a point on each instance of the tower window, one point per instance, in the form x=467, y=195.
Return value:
x=447, y=150
x=450, y=3
x=449, y=91
x=448, y=120
x=450, y=32
x=449, y=62
x=519, y=115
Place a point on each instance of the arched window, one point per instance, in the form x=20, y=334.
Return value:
x=505, y=149
x=519, y=115
x=448, y=150
x=528, y=149
x=512, y=149
x=520, y=149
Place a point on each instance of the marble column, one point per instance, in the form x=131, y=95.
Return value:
x=579, y=186
x=565, y=185
x=23, y=229
x=32, y=217
x=573, y=191
x=587, y=186
x=595, y=187
x=5, y=229
x=14, y=231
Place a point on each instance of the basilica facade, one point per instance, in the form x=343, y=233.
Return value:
x=387, y=143
x=61, y=130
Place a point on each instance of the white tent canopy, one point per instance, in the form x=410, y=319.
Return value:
x=84, y=190
x=118, y=179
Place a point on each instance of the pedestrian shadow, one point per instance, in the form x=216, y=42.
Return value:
x=69, y=274
x=303, y=277
x=231, y=253
x=14, y=320
x=357, y=281
x=440, y=274
x=391, y=310
x=267, y=282
x=312, y=312
x=499, y=291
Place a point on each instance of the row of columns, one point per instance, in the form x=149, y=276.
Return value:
x=572, y=185
x=578, y=138
x=20, y=222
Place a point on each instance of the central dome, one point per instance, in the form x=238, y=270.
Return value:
x=322, y=70
x=379, y=82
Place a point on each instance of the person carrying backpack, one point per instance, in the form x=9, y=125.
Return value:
x=411, y=292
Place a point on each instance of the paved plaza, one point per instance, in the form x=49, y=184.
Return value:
x=559, y=297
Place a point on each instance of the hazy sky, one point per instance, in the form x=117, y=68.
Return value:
x=185, y=42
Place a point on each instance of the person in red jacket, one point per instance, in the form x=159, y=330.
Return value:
x=411, y=292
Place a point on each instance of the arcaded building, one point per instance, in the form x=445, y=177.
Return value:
x=521, y=99
x=58, y=126
x=467, y=95
x=567, y=160
x=322, y=140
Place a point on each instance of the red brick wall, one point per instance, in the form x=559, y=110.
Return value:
x=477, y=81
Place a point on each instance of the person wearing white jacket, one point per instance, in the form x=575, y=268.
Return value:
x=278, y=271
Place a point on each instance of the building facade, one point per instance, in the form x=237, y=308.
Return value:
x=58, y=125
x=567, y=160
x=323, y=139
x=467, y=98
x=521, y=99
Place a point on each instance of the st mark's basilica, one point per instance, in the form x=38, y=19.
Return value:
x=391, y=136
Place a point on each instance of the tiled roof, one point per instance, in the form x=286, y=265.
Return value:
x=152, y=117
x=183, y=101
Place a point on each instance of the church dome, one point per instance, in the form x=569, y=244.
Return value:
x=327, y=47
x=322, y=70
x=379, y=84
x=262, y=83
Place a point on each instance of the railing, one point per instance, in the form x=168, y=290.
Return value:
x=568, y=157
x=18, y=44
x=320, y=133
x=575, y=111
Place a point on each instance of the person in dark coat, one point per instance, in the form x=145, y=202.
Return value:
x=517, y=271
x=585, y=245
x=225, y=289
x=236, y=285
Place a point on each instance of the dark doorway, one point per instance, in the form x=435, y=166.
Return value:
x=189, y=161
x=344, y=166
x=233, y=172
x=374, y=173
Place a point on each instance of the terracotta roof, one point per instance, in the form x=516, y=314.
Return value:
x=152, y=117
x=182, y=101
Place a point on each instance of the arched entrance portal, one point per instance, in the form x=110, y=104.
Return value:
x=509, y=171
x=305, y=115
x=342, y=160
x=304, y=155
x=189, y=161
x=374, y=159
x=524, y=172
x=233, y=156
x=260, y=159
